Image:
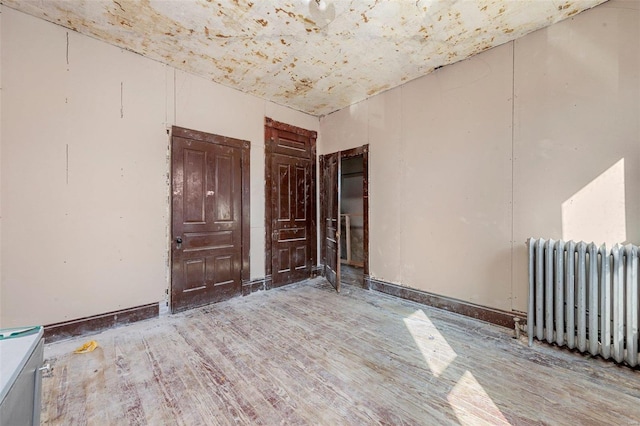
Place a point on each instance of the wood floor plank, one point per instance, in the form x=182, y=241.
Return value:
x=303, y=354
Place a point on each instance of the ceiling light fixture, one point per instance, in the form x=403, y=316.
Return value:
x=322, y=5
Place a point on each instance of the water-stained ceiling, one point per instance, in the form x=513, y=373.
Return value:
x=315, y=56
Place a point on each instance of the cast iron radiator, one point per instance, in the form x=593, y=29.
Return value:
x=585, y=297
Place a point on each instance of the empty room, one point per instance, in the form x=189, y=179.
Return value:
x=319, y=212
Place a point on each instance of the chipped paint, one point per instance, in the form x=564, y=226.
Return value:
x=296, y=53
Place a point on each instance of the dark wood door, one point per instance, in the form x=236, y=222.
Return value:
x=290, y=203
x=291, y=197
x=207, y=219
x=330, y=170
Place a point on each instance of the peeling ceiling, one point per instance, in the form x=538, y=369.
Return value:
x=315, y=56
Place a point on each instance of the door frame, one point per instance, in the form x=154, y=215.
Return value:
x=245, y=225
x=271, y=126
x=350, y=153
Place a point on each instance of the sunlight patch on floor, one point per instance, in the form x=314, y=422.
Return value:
x=468, y=396
x=433, y=346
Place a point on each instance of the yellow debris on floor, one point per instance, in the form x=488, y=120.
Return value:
x=87, y=347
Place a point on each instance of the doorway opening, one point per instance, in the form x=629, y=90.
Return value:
x=352, y=220
x=344, y=211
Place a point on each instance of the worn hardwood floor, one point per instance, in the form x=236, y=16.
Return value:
x=351, y=275
x=303, y=354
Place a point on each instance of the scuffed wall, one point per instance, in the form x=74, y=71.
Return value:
x=539, y=137
x=83, y=175
x=577, y=132
x=84, y=169
x=465, y=163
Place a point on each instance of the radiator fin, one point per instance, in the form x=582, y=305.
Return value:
x=586, y=297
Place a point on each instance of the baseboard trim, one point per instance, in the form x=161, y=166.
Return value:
x=269, y=285
x=253, y=286
x=317, y=270
x=67, y=329
x=268, y=281
x=482, y=313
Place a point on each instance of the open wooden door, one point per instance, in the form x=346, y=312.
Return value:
x=330, y=169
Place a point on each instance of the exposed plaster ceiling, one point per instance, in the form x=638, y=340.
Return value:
x=316, y=56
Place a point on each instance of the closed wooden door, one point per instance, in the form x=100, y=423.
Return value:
x=290, y=203
x=291, y=198
x=330, y=190
x=207, y=218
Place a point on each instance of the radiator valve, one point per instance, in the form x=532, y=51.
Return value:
x=517, y=327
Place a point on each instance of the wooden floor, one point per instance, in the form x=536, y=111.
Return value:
x=303, y=354
x=351, y=275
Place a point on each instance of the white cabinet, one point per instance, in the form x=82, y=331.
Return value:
x=21, y=360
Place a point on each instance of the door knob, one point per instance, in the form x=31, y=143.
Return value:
x=179, y=240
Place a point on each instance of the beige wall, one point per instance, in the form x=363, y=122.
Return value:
x=539, y=137
x=466, y=163
x=577, y=116
x=84, y=170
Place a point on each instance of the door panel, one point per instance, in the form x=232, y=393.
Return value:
x=207, y=222
x=290, y=203
x=331, y=217
x=292, y=261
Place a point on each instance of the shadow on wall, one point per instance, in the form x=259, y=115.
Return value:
x=597, y=212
